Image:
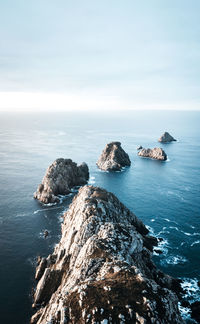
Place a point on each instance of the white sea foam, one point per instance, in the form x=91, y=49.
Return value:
x=195, y=242
x=152, y=220
x=91, y=181
x=174, y=260
x=45, y=209
x=170, y=221
x=185, y=312
x=191, y=288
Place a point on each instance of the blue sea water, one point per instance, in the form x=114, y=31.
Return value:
x=165, y=195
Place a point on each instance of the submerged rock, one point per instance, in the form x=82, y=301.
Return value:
x=166, y=138
x=101, y=271
x=60, y=177
x=113, y=158
x=156, y=153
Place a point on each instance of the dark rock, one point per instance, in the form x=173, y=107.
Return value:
x=139, y=147
x=101, y=271
x=156, y=153
x=166, y=138
x=113, y=158
x=158, y=251
x=60, y=177
x=195, y=308
x=46, y=233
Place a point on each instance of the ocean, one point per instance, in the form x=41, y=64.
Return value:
x=164, y=195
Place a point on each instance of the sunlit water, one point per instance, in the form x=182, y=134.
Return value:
x=165, y=195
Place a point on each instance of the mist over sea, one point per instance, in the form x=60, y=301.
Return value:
x=165, y=195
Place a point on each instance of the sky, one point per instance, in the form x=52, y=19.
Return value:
x=91, y=54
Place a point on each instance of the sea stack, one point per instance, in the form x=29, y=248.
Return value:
x=101, y=271
x=60, y=177
x=166, y=138
x=113, y=158
x=156, y=153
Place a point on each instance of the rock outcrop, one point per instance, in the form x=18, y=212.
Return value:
x=166, y=138
x=101, y=271
x=113, y=158
x=60, y=177
x=156, y=153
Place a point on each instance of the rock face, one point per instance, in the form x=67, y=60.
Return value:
x=101, y=270
x=156, y=153
x=166, y=138
x=60, y=177
x=113, y=158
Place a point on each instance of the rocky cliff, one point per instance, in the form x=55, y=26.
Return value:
x=101, y=271
x=156, y=153
x=166, y=138
x=113, y=158
x=60, y=177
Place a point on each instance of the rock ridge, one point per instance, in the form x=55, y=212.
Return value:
x=60, y=177
x=113, y=158
x=101, y=270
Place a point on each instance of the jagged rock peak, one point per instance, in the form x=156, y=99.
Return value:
x=156, y=153
x=113, y=158
x=60, y=177
x=166, y=138
x=101, y=270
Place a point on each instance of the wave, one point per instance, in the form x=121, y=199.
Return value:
x=174, y=260
x=91, y=181
x=170, y=221
x=44, y=209
x=195, y=242
x=191, y=288
x=191, y=234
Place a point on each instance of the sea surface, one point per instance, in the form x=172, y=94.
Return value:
x=165, y=195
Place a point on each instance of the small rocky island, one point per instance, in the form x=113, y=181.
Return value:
x=101, y=271
x=60, y=177
x=113, y=158
x=166, y=138
x=156, y=153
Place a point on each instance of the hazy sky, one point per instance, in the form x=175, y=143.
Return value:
x=106, y=54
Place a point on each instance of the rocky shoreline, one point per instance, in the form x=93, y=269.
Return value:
x=101, y=271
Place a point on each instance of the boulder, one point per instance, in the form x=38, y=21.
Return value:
x=113, y=158
x=156, y=153
x=101, y=271
x=166, y=138
x=60, y=177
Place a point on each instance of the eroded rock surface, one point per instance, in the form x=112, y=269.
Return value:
x=60, y=177
x=156, y=153
x=101, y=270
x=166, y=138
x=113, y=158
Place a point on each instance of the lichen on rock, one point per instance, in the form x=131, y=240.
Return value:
x=113, y=158
x=60, y=177
x=101, y=270
x=156, y=153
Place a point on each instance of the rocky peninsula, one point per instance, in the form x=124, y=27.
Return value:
x=101, y=271
x=166, y=138
x=156, y=153
x=113, y=158
x=60, y=177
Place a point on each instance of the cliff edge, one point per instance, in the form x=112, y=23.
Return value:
x=101, y=270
